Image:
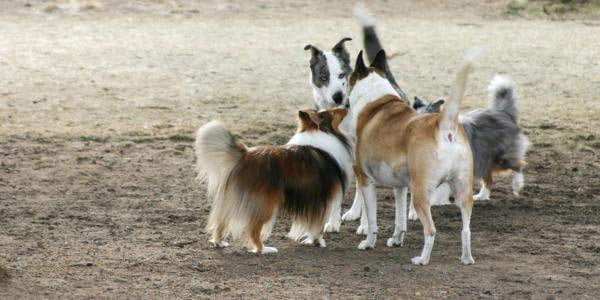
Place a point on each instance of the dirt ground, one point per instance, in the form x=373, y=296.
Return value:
x=98, y=109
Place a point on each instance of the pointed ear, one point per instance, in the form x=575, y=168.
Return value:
x=309, y=117
x=359, y=67
x=339, y=112
x=340, y=50
x=380, y=60
x=418, y=103
x=337, y=115
x=437, y=105
x=314, y=51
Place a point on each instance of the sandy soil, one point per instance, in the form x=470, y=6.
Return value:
x=98, y=110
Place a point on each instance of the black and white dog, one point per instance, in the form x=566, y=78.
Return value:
x=329, y=71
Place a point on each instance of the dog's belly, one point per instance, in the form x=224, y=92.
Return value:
x=382, y=173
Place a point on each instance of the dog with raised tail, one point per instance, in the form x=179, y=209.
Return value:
x=397, y=147
x=304, y=179
x=497, y=142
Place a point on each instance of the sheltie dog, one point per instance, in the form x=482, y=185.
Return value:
x=304, y=179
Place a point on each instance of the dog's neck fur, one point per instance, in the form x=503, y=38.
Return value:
x=328, y=143
x=367, y=90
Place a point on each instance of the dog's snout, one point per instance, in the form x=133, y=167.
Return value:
x=338, y=97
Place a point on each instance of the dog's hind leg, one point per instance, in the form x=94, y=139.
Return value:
x=370, y=196
x=217, y=236
x=517, y=181
x=486, y=187
x=420, y=198
x=400, y=229
x=463, y=197
x=256, y=232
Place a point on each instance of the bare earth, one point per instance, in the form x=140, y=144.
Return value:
x=98, y=110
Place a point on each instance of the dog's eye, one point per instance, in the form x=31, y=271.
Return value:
x=341, y=76
x=323, y=78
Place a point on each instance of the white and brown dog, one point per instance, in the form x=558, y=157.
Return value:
x=305, y=179
x=397, y=147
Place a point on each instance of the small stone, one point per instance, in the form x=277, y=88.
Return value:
x=367, y=269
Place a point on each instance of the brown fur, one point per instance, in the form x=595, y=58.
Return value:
x=259, y=182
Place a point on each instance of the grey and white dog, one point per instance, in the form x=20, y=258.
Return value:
x=329, y=71
x=497, y=142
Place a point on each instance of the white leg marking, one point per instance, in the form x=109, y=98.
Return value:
x=269, y=250
x=354, y=212
x=362, y=228
x=334, y=218
x=517, y=183
x=425, y=253
x=370, y=196
x=219, y=244
x=412, y=213
x=461, y=198
x=484, y=194
x=397, y=238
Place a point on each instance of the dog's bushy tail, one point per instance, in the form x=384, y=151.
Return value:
x=449, y=117
x=372, y=44
x=218, y=152
x=502, y=96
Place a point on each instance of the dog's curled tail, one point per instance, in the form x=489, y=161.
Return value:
x=502, y=96
x=217, y=154
x=449, y=117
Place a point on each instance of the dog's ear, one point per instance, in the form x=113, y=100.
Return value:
x=309, y=119
x=436, y=106
x=314, y=51
x=380, y=61
x=340, y=50
x=418, y=103
x=337, y=115
x=360, y=68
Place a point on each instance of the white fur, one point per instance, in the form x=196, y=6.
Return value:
x=499, y=82
x=363, y=15
x=328, y=143
x=517, y=183
x=425, y=253
x=484, y=193
x=323, y=96
x=397, y=238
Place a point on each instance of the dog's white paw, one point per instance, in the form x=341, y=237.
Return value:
x=481, y=197
x=417, y=260
x=219, y=244
x=467, y=260
x=269, y=250
x=332, y=227
x=412, y=214
x=362, y=229
x=351, y=215
x=322, y=243
x=396, y=240
x=368, y=243
x=307, y=241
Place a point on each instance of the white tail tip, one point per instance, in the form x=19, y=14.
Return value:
x=363, y=15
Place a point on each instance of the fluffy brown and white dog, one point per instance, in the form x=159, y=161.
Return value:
x=304, y=179
x=397, y=147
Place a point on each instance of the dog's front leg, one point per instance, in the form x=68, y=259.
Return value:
x=400, y=229
x=370, y=196
x=354, y=212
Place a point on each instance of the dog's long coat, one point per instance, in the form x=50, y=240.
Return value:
x=305, y=179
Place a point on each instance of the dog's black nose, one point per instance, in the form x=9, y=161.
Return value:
x=338, y=97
